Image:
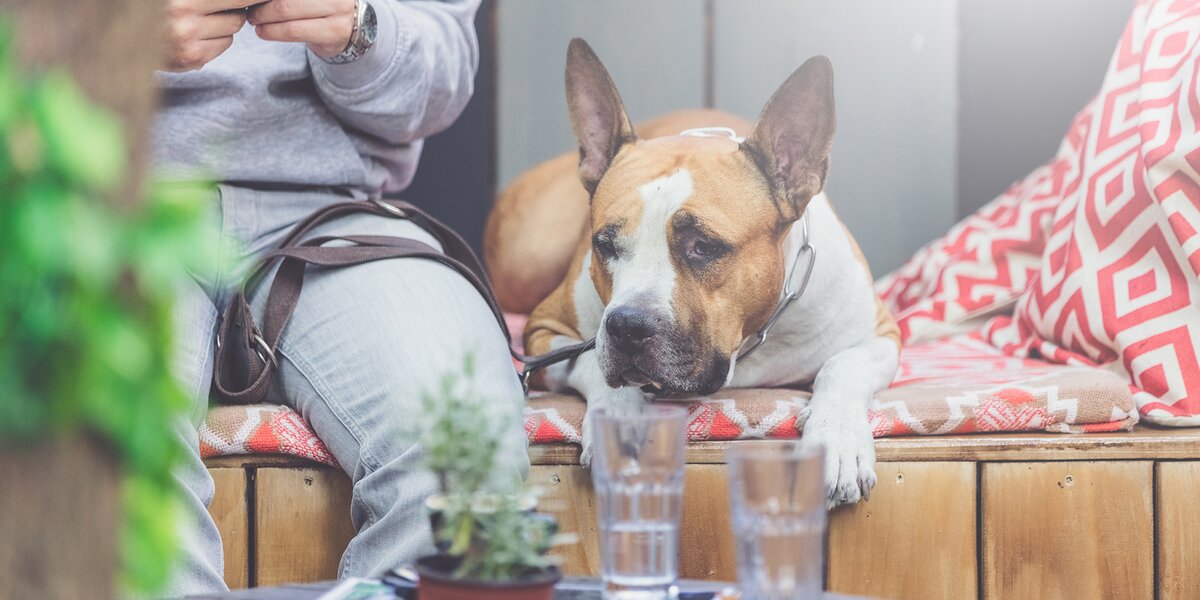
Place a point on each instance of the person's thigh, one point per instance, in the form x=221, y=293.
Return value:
x=363, y=345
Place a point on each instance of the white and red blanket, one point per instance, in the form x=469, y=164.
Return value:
x=1093, y=259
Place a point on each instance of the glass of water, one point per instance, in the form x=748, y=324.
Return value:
x=777, y=490
x=637, y=471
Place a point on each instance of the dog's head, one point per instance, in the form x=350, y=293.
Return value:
x=687, y=232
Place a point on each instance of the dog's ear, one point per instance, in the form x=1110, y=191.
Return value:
x=597, y=115
x=791, y=140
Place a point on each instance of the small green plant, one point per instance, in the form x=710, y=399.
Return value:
x=86, y=295
x=494, y=532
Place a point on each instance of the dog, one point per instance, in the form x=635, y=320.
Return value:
x=681, y=257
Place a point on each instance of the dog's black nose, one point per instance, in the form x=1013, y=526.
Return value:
x=629, y=327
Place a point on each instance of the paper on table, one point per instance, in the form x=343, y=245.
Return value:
x=357, y=588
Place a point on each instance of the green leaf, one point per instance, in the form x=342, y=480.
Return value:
x=84, y=143
x=91, y=250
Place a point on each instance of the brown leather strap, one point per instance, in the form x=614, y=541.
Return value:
x=246, y=355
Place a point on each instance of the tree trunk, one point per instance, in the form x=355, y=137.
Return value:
x=59, y=505
x=112, y=48
x=60, y=498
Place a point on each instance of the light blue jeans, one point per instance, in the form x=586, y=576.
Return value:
x=363, y=344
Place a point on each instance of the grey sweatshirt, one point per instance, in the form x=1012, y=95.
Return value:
x=274, y=112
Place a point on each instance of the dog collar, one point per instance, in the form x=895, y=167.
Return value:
x=789, y=294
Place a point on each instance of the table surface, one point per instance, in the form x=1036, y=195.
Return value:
x=311, y=591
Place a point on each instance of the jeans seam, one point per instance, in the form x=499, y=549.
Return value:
x=199, y=394
x=309, y=372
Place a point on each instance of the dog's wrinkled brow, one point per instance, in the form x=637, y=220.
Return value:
x=611, y=230
x=684, y=221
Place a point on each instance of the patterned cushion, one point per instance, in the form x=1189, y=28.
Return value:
x=1093, y=259
x=956, y=385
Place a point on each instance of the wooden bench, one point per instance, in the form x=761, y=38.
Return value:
x=984, y=516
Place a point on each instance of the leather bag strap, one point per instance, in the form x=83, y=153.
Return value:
x=246, y=355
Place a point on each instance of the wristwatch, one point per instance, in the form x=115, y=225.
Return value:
x=362, y=37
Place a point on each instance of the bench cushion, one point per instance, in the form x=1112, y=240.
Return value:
x=950, y=386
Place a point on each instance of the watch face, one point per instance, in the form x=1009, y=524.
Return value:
x=370, y=25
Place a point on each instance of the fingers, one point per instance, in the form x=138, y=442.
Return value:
x=183, y=33
x=215, y=6
x=324, y=31
x=219, y=25
x=278, y=11
x=184, y=8
x=195, y=54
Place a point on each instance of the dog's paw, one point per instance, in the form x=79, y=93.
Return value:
x=585, y=454
x=849, y=460
x=585, y=442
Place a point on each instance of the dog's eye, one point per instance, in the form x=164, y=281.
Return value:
x=706, y=250
x=703, y=248
x=604, y=246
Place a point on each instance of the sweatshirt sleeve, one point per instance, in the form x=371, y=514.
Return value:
x=415, y=80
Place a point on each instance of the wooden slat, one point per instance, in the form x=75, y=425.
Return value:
x=1178, y=514
x=230, y=512
x=568, y=496
x=1067, y=530
x=706, y=544
x=913, y=540
x=706, y=536
x=1143, y=443
x=302, y=524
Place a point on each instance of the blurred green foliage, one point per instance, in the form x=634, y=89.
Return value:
x=86, y=292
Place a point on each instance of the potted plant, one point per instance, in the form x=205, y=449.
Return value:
x=491, y=544
x=88, y=405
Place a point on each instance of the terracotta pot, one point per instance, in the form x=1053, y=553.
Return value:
x=437, y=584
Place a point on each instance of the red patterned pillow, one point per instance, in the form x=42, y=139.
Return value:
x=1099, y=249
x=1120, y=277
x=981, y=266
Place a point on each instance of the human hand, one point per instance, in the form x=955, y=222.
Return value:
x=198, y=31
x=325, y=25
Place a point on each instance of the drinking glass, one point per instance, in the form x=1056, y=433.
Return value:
x=777, y=491
x=637, y=472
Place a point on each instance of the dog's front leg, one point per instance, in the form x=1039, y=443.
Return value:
x=837, y=420
x=584, y=376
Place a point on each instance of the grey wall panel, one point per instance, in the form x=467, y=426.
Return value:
x=892, y=175
x=654, y=51
x=1027, y=67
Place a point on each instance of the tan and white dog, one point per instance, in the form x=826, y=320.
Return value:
x=684, y=258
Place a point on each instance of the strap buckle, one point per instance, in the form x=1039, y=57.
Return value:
x=399, y=213
x=262, y=346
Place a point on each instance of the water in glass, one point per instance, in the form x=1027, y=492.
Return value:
x=637, y=471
